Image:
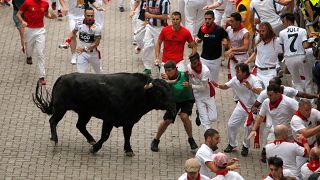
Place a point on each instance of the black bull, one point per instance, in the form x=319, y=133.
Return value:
x=119, y=99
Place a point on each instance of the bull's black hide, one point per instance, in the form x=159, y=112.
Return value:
x=119, y=99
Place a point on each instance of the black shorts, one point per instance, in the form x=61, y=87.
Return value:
x=185, y=107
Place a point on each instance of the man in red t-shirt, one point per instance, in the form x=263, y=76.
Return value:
x=174, y=37
x=34, y=36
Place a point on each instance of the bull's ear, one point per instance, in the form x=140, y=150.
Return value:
x=148, y=86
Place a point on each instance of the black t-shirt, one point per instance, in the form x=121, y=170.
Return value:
x=212, y=47
x=143, y=5
x=17, y=4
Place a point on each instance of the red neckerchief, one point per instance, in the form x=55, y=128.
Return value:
x=298, y=113
x=208, y=29
x=244, y=78
x=313, y=165
x=222, y=172
x=275, y=104
x=278, y=141
x=198, y=178
x=199, y=66
x=270, y=175
x=238, y=29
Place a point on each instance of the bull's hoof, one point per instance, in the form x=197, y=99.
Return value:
x=130, y=154
x=95, y=148
x=92, y=142
x=54, y=142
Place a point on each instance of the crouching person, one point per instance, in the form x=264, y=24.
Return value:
x=184, y=102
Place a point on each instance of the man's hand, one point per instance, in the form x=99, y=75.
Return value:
x=186, y=84
x=157, y=62
x=247, y=84
x=132, y=12
x=80, y=50
x=164, y=76
x=24, y=24
x=100, y=8
x=148, y=15
x=214, y=84
x=64, y=11
x=252, y=134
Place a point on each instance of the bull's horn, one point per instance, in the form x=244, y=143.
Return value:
x=148, y=86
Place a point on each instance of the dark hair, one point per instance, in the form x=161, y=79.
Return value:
x=243, y=68
x=275, y=161
x=210, y=132
x=88, y=8
x=236, y=16
x=277, y=80
x=170, y=64
x=176, y=13
x=289, y=17
x=210, y=12
x=194, y=57
x=273, y=87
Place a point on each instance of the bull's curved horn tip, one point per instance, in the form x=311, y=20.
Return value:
x=148, y=86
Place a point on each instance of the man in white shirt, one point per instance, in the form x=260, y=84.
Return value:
x=276, y=169
x=192, y=168
x=294, y=42
x=279, y=107
x=202, y=89
x=266, y=53
x=76, y=16
x=247, y=87
x=287, y=151
x=205, y=152
x=312, y=166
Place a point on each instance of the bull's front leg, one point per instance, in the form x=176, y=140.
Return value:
x=127, y=131
x=106, y=130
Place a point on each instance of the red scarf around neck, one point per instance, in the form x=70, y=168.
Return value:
x=198, y=178
x=244, y=78
x=298, y=113
x=313, y=165
x=238, y=29
x=275, y=104
x=208, y=29
x=198, y=70
x=222, y=172
x=278, y=141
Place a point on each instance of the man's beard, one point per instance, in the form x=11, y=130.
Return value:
x=214, y=147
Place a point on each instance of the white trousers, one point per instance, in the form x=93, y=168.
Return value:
x=181, y=7
x=238, y=116
x=150, y=38
x=310, y=60
x=99, y=15
x=207, y=111
x=294, y=63
x=229, y=9
x=194, y=15
x=139, y=33
x=214, y=67
x=218, y=14
x=121, y=3
x=35, y=39
x=85, y=58
x=266, y=75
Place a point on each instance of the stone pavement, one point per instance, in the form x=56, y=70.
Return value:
x=26, y=152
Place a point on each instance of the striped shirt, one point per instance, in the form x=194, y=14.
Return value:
x=158, y=7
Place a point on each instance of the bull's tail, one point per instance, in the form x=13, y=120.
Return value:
x=44, y=104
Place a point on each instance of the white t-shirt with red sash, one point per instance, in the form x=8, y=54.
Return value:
x=299, y=122
x=308, y=168
x=288, y=152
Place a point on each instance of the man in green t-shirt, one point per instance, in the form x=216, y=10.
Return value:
x=184, y=99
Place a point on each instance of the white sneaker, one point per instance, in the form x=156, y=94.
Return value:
x=137, y=50
x=74, y=59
